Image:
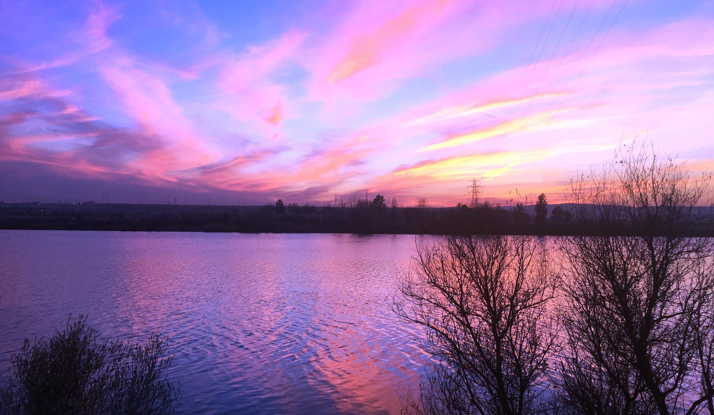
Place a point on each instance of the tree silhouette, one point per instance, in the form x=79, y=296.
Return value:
x=379, y=202
x=482, y=301
x=560, y=216
x=520, y=215
x=639, y=308
x=541, y=210
x=279, y=206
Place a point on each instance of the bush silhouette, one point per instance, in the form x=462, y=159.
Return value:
x=76, y=373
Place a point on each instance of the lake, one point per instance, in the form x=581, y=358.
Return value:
x=259, y=323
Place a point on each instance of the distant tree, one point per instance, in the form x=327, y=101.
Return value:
x=362, y=204
x=379, y=202
x=520, y=216
x=422, y=203
x=394, y=203
x=75, y=373
x=279, y=206
x=541, y=209
x=560, y=216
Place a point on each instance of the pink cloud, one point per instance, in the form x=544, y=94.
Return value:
x=380, y=45
x=657, y=79
x=100, y=18
x=637, y=68
x=90, y=39
x=26, y=89
x=365, y=50
x=246, y=81
x=328, y=165
x=552, y=110
x=277, y=115
x=148, y=100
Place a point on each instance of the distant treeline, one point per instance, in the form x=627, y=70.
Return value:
x=363, y=218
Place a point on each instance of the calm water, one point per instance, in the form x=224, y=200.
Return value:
x=259, y=323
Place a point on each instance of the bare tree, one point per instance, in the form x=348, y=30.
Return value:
x=483, y=303
x=639, y=308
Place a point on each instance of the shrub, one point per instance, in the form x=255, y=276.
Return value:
x=76, y=373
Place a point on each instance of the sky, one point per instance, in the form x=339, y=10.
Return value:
x=245, y=102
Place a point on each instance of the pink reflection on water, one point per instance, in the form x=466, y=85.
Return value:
x=259, y=323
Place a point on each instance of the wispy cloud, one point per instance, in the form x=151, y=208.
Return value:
x=408, y=98
x=246, y=80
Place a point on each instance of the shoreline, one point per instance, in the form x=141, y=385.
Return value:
x=461, y=220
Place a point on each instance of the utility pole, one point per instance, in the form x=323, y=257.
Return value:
x=475, y=191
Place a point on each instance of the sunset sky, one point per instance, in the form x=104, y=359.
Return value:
x=250, y=101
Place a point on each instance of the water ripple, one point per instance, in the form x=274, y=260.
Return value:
x=259, y=323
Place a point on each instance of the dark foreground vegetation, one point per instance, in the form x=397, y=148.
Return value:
x=624, y=325
x=76, y=373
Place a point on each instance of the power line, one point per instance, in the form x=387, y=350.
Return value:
x=580, y=60
x=565, y=28
x=514, y=122
x=530, y=62
x=585, y=52
x=565, y=54
x=591, y=57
